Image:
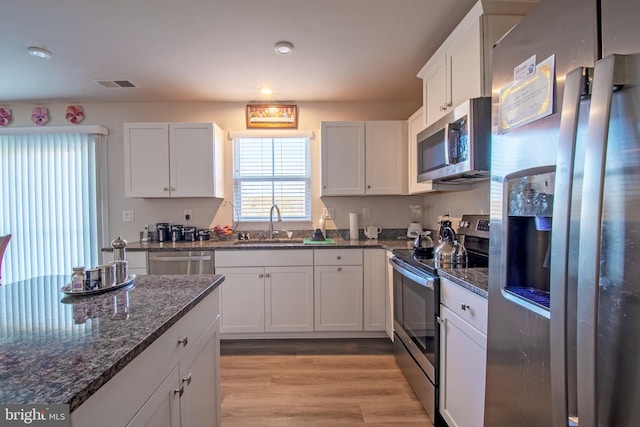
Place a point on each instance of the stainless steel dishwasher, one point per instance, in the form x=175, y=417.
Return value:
x=181, y=262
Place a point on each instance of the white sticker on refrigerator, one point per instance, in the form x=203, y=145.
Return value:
x=525, y=70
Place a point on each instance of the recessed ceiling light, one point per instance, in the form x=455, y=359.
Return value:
x=39, y=52
x=283, y=48
x=266, y=91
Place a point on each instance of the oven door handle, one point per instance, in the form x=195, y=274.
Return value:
x=427, y=282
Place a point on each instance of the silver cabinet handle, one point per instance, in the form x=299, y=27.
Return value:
x=464, y=306
x=166, y=188
x=339, y=268
x=187, y=379
x=267, y=275
x=261, y=276
x=184, y=341
x=172, y=188
x=339, y=257
x=180, y=391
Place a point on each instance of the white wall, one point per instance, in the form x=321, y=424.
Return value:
x=457, y=203
x=389, y=212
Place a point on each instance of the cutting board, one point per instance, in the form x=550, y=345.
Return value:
x=326, y=241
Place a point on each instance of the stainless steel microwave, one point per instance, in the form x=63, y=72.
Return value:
x=457, y=147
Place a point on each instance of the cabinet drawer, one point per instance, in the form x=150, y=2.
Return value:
x=466, y=304
x=263, y=258
x=337, y=256
x=137, y=260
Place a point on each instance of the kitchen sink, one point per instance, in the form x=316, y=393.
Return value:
x=260, y=242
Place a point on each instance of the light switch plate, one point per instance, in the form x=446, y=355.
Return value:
x=328, y=213
x=366, y=213
x=127, y=216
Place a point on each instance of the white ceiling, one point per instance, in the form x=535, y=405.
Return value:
x=220, y=50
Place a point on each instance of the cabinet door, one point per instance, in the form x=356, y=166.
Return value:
x=288, y=299
x=465, y=68
x=192, y=157
x=435, y=89
x=146, y=160
x=342, y=158
x=163, y=407
x=242, y=299
x=338, y=298
x=200, y=379
x=463, y=354
x=415, y=126
x=386, y=158
x=375, y=289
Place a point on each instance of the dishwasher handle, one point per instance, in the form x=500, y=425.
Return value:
x=179, y=258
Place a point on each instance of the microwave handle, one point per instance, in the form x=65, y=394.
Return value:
x=447, y=144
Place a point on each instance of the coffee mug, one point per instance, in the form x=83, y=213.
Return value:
x=372, y=231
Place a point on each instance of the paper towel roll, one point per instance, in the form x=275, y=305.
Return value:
x=354, y=233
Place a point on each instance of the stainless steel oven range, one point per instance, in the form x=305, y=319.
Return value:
x=416, y=309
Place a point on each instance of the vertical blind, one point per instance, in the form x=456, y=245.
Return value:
x=271, y=171
x=49, y=203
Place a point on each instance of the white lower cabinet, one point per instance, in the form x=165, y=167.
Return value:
x=186, y=396
x=338, y=282
x=375, y=289
x=174, y=382
x=276, y=296
x=463, y=355
x=242, y=299
x=288, y=299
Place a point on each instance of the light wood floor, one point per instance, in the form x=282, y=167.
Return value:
x=315, y=383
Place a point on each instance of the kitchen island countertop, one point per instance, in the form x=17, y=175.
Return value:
x=58, y=349
x=475, y=280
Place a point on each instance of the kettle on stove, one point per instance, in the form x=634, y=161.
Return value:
x=423, y=245
x=450, y=253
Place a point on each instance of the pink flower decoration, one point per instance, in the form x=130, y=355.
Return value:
x=5, y=116
x=40, y=115
x=74, y=114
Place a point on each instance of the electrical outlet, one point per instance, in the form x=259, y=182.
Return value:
x=127, y=216
x=366, y=213
x=188, y=215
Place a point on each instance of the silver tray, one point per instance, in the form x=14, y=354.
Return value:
x=67, y=288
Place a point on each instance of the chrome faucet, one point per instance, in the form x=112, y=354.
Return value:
x=271, y=219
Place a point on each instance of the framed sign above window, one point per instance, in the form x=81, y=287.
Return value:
x=268, y=116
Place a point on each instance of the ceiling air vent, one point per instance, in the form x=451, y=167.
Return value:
x=115, y=83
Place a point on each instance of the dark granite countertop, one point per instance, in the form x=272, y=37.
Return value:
x=474, y=279
x=60, y=349
x=339, y=243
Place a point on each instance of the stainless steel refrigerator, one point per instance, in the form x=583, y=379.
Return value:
x=563, y=342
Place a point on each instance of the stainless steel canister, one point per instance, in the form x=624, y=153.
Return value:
x=107, y=275
x=93, y=279
x=122, y=270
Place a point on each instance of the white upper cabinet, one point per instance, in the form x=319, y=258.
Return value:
x=173, y=160
x=415, y=126
x=363, y=158
x=342, y=158
x=461, y=68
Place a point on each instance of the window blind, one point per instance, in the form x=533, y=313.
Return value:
x=271, y=171
x=49, y=197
